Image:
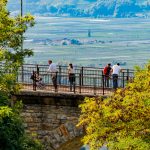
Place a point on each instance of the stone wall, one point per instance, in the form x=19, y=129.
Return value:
x=52, y=125
x=51, y=118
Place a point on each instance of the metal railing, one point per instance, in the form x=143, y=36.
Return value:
x=88, y=80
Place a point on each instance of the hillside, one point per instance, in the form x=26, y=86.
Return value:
x=84, y=8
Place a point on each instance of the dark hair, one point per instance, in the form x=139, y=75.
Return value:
x=109, y=64
x=118, y=64
x=50, y=61
x=71, y=65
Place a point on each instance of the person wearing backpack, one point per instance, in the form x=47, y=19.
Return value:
x=107, y=73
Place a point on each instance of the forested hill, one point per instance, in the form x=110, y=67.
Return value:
x=84, y=8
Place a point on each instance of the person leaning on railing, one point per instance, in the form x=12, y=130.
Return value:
x=107, y=73
x=53, y=70
x=116, y=69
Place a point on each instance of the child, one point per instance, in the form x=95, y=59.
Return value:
x=35, y=77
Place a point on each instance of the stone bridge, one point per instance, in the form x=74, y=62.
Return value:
x=51, y=117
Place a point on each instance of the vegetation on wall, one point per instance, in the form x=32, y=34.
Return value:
x=12, y=133
x=122, y=121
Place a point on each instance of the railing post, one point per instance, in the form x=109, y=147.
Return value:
x=34, y=81
x=59, y=79
x=123, y=79
x=103, y=82
x=94, y=82
x=22, y=73
x=80, y=84
x=74, y=87
x=37, y=69
x=82, y=76
x=127, y=74
x=56, y=85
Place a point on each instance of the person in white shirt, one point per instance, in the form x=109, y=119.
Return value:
x=116, y=69
x=71, y=74
x=53, y=70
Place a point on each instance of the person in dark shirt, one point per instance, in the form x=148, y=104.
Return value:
x=107, y=73
x=71, y=73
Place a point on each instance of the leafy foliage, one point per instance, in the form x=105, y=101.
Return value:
x=12, y=53
x=12, y=133
x=11, y=129
x=121, y=121
x=11, y=35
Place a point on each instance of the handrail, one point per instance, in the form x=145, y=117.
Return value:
x=88, y=79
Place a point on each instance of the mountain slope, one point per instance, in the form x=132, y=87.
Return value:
x=85, y=8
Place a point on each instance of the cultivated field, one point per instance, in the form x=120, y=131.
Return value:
x=112, y=40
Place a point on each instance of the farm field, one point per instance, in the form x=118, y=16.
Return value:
x=89, y=42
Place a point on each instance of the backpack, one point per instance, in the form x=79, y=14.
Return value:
x=105, y=70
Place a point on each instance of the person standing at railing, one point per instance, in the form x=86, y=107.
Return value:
x=107, y=73
x=71, y=74
x=53, y=70
x=116, y=69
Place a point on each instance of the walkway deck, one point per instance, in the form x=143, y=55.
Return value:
x=88, y=81
x=66, y=89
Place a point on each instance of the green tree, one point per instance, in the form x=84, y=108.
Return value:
x=12, y=132
x=11, y=31
x=121, y=121
x=11, y=53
